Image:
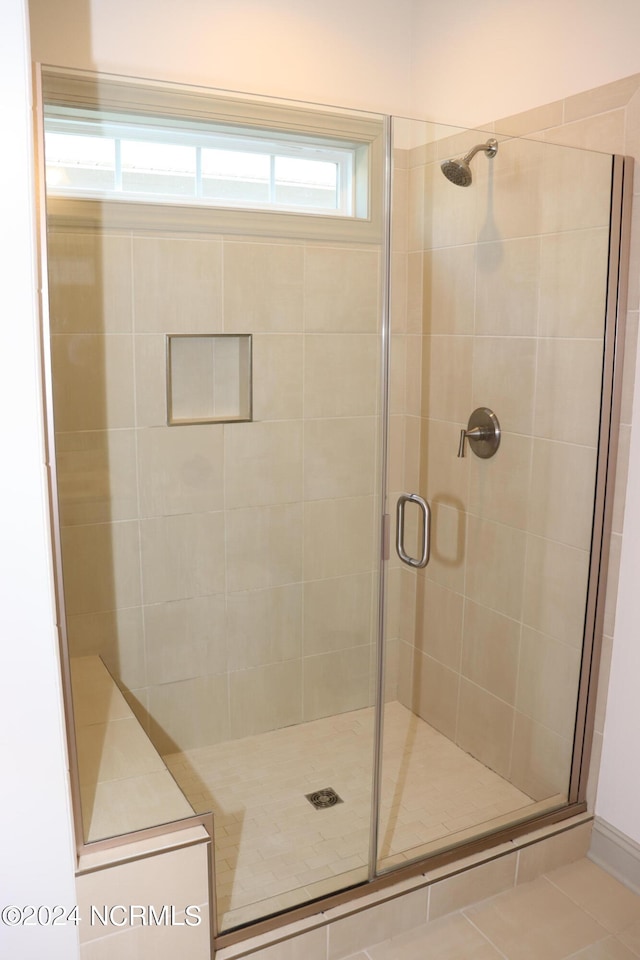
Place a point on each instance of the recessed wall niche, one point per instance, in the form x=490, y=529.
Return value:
x=208, y=378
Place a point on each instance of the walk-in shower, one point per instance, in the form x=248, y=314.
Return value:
x=459, y=172
x=271, y=326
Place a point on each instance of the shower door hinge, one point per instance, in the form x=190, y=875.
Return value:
x=386, y=535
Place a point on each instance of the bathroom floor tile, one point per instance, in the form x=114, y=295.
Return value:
x=599, y=894
x=609, y=949
x=631, y=937
x=452, y=938
x=536, y=921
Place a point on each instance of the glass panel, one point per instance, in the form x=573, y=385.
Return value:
x=86, y=163
x=503, y=308
x=160, y=168
x=233, y=175
x=226, y=574
x=309, y=183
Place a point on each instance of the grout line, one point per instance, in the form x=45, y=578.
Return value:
x=482, y=934
x=302, y=701
x=579, y=905
x=225, y=509
x=516, y=872
x=146, y=724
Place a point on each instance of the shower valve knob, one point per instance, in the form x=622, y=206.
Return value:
x=483, y=433
x=476, y=433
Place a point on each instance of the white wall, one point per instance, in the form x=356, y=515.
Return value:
x=352, y=53
x=477, y=61
x=37, y=850
x=461, y=62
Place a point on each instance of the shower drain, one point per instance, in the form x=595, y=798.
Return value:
x=321, y=799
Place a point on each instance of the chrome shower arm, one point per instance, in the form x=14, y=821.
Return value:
x=490, y=148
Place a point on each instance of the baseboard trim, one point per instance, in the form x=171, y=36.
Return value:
x=618, y=854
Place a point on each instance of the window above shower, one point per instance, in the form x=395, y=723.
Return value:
x=141, y=159
x=119, y=147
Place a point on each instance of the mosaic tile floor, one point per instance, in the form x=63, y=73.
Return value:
x=275, y=850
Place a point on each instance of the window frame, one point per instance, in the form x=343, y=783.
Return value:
x=187, y=110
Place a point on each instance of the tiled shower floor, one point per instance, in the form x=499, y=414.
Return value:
x=275, y=850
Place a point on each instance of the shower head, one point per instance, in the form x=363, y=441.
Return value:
x=459, y=171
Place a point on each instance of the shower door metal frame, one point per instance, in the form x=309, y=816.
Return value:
x=385, y=520
x=611, y=399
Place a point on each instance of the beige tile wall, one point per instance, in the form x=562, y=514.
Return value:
x=511, y=276
x=225, y=572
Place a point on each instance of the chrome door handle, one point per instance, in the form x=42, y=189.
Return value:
x=423, y=560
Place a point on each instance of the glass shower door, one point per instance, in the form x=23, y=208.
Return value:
x=498, y=301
